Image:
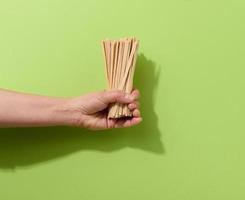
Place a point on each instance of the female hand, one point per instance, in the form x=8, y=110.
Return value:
x=91, y=110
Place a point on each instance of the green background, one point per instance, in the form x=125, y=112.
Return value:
x=190, y=71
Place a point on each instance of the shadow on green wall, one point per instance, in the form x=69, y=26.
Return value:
x=28, y=146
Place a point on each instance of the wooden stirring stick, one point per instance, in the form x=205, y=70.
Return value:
x=120, y=58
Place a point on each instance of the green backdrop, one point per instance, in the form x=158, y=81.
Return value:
x=190, y=72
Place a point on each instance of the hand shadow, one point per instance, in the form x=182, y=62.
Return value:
x=23, y=147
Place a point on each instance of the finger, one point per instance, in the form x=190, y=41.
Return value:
x=136, y=94
x=124, y=123
x=136, y=113
x=134, y=105
x=113, y=96
x=111, y=123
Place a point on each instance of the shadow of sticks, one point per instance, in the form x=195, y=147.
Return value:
x=22, y=147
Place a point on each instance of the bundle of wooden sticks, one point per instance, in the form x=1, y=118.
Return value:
x=120, y=59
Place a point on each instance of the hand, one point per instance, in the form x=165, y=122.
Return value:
x=91, y=110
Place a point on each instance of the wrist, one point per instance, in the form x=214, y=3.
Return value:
x=64, y=114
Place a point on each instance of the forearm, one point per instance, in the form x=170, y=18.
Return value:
x=23, y=110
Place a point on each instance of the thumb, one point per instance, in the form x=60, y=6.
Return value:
x=114, y=96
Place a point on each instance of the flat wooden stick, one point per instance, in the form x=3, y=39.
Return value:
x=120, y=58
x=105, y=60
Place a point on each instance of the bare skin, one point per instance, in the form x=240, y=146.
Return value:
x=87, y=111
